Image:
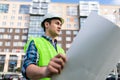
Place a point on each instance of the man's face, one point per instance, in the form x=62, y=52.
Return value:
x=54, y=28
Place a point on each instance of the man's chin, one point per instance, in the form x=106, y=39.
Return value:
x=57, y=35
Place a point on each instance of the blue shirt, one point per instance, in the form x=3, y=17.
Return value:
x=32, y=56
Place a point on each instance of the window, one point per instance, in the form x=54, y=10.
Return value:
x=4, y=17
x=68, y=25
x=76, y=20
x=76, y=26
x=0, y=50
x=68, y=32
x=13, y=11
x=11, y=23
x=68, y=38
x=1, y=43
x=94, y=6
x=6, y=36
x=44, y=5
x=17, y=30
x=33, y=23
x=35, y=11
x=82, y=21
x=84, y=6
x=9, y=30
x=16, y=37
x=35, y=5
x=19, y=24
x=9, y=36
x=26, y=24
x=75, y=32
x=72, y=11
x=24, y=9
x=59, y=38
x=25, y=30
x=6, y=50
x=68, y=20
x=12, y=17
x=24, y=37
x=3, y=23
x=20, y=44
x=26, y=17
x=2, y=30
x=12, y=63
x=19, y=17
x=2, y=62
x=7, y=43
x=4, y=8
x=68, y=45
x=36, y=18
x=15, y=44
x=1, y=36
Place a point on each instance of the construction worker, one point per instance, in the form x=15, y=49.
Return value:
x=44, y=58
x=118, y=70
x=112, y=75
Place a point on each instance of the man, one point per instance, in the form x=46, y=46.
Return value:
x=118, y=70
x=111, y=76
x=44, y=58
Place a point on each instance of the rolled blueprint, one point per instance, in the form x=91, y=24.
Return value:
x=94, y=52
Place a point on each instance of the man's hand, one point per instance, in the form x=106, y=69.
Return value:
x=56, y=65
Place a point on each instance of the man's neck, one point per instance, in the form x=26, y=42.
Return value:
x=53, y=38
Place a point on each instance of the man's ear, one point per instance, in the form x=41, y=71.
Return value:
x=46, y=24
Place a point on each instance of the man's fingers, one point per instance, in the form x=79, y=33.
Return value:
x=52, y=70
x=56, y=64
x=59, y=62
x=62, y=56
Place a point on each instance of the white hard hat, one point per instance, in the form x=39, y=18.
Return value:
x=51, y=16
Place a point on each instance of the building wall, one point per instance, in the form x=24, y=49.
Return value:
x=69, y=12
x=85, y=8
x=70, y=28
x=14, y=23
x=111, y=12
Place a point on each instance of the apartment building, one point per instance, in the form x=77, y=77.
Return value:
x=70, y=28
x=38, y=9
x=14, y=23
x=111, y=12
x=85, y=8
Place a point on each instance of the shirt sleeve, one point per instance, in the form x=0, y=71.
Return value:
x=31, y=57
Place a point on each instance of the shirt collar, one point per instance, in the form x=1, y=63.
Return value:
x=49, y=38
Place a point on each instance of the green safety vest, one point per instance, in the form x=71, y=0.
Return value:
x=46, y=51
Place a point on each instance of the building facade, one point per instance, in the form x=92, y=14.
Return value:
x=111, y=12
x=14, y=23
x=21, y=20
x=70, y=28
x=38, y=9
x=85, y=8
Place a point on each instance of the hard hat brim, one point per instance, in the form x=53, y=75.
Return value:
x=61, y=19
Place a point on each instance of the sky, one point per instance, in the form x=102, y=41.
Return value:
x=111, y=2
x=115, y=2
